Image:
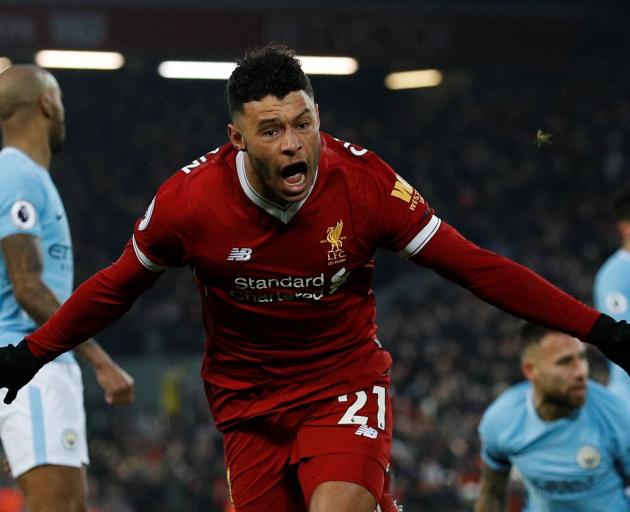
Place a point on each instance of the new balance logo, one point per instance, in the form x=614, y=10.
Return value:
x=366, y=431
x=242, y=254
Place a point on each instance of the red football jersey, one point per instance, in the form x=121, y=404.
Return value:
x=287, y=301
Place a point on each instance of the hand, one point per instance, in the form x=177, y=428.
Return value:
x=17, y=367
x=116, y=382
x=613, y=339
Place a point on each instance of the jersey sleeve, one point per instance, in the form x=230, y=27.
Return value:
x=403, y=221
x=612, y=294
x=505, y=284
x=492, y=452
x=22, y=201
x=617, y=414
x=96, y=304
x=160, y=237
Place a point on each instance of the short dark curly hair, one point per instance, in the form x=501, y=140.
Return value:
x=267, y=70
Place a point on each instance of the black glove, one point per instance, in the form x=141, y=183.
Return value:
x=613, y=339
x=17, y=367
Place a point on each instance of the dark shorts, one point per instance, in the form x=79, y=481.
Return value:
x=276, y=464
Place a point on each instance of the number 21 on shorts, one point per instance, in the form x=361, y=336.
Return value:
x=351, y=416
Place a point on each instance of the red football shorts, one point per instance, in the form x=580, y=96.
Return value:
x=275, y=463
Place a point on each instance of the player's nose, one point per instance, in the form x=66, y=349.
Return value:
x=291, y=142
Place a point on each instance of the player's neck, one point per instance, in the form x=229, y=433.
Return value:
x=551, y=411
x=36, y=147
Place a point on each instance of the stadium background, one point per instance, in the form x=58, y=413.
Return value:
x=510, y=68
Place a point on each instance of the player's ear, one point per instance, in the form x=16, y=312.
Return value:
x=236, y=137
x=46, y=105
x=528, y=368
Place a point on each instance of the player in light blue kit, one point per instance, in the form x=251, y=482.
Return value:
x=612, y=288
x=568, y=436
x=43, y=431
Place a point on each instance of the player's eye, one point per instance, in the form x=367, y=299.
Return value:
x=270, y=132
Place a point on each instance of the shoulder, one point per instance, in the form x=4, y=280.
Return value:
x=615, y=263
x=363, y=170
x=603, y=402
x=215, y=160
x=353, y=159
x=191, y=187
x=16, y=169
x=607, y=412
x=21, y=179
x=208, y=168
x=502, y=411
x=612, y=286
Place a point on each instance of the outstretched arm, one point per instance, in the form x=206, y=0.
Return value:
x=492, y=490
x=517, y=290
x=159, y=241
x=93, y=306
x=505, y=283
x=23, y=256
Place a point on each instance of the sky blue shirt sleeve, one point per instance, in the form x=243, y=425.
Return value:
x=620, y=423
x=612, y=287
x=22, y=200
x=492, y=453
x=612, y=296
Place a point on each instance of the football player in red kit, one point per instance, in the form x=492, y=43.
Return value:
x=280, y=227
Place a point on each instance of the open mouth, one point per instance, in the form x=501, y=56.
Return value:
x=294, y=174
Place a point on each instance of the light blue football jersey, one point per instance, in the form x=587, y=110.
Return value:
x=573, y=464
x=30, y=204
x=612, y=296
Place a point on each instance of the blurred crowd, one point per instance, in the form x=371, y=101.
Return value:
x=468, y=146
